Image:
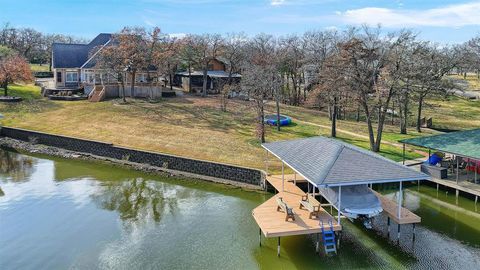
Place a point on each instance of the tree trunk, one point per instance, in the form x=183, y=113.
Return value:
x=277, y=105
x=371, y=137
x=230, y=72
x=170, y=79
x=205, y=79
x=357, y=118
x=132, y=84
x=5, y=88
x=419, y=114
x=334, y=118
x=393, y=113
x=381, y=121
x=189, y=78
x=261, y=122
x=123, y=92
x=403, y=124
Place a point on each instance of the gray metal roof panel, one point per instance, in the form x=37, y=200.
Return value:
x=325, y=161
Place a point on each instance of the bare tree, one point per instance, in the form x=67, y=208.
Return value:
x=112, y=61
x=260, y=77
x=209, y=47
x=292, y=54
x=133, y=47
x=432, y=64
x=371, y=66
x=233, y=53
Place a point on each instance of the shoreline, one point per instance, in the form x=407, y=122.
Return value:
x=31, y=148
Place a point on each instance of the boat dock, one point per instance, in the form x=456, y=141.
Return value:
x=400, y=215
x=272, y=222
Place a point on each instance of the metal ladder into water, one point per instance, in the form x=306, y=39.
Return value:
x=328, y=237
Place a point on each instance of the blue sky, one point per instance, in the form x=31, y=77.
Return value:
x=441, y=21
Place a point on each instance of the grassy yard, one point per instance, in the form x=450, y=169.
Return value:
x=38, y=67
x=187, y=126
x=454, y=113
x=472, y=80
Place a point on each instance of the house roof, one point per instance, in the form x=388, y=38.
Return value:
x=210, y=73
x=66, y=55
x=327, y=162
x=462, y=143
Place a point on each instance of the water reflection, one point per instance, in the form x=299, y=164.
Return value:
x=83, y=215
x=136, y=199
x=15, y=167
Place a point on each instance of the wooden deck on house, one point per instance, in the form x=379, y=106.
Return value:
x=391, y=209
x=272, y=222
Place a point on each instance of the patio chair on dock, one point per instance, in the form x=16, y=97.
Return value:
x=313, y=209
x=281, y=205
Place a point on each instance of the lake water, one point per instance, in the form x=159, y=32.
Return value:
x=64, y=214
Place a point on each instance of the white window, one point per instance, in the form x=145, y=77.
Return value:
x=141, y=77
x=72, y=77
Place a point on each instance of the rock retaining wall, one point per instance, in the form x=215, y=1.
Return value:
x=194, y=166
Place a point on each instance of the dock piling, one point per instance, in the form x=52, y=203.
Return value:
x=398, y=234
x=317, y=245
x=413, y=238
x=260, y=236
x=388, y=226
x=278, y=247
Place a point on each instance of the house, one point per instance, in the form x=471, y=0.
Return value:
x=74, y=68
x=216, y=76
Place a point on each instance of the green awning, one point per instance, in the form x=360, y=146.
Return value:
x=462, y=143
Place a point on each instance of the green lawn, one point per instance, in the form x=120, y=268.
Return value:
x=38, y=67
x=188, y=126
x=195, y=127
x=472, y=80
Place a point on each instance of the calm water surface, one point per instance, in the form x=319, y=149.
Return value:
x=63, y=214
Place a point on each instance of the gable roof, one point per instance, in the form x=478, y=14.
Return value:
x=462, y=143
x=329, y=162
x=65, y=55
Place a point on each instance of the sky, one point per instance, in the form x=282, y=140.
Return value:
x=447, y=22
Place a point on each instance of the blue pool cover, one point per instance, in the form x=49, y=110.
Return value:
x=271, y=119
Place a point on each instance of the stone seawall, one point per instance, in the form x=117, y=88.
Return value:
x=169, y=162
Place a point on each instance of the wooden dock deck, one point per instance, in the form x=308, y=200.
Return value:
x=272, y=222
x=390, y=208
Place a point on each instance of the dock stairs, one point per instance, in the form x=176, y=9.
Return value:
x=328, y=239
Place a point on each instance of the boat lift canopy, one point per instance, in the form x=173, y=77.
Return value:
x=327, y=163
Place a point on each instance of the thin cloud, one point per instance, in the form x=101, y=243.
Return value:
x=277, y=2
x=457, y=15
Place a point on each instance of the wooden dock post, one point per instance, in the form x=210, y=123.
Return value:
x=388, y=226
x=338, y=239
x=339, y=203
x=413, y=238
x=317, y=245
x=260, y=236
x=278, y=247
x=398, y=233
